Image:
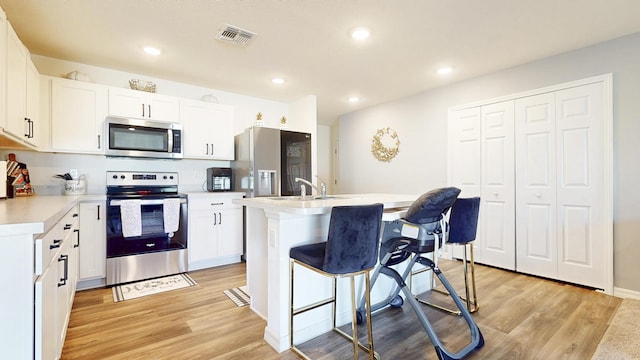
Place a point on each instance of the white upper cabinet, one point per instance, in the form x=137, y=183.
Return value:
x=207, y=130
x=22, y=89
x=78, y=110
x=143, y=105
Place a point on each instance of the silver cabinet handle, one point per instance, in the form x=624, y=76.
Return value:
x=63, y=280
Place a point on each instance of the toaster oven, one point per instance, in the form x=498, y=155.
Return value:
x=219, y=179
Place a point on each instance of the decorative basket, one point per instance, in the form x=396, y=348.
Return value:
x=142, y=85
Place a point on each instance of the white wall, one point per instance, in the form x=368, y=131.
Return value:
x=420, y=122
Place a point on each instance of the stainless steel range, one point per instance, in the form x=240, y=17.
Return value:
x=146, y=226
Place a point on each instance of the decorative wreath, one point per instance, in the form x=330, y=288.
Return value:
x=379, y=150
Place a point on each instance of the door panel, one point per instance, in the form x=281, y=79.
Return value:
x=465, y=166
x=464, y=150
x=580, y=183
x=536, y=235
x=497, y=208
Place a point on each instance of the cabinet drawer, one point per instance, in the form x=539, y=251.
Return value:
x=213, y=203
x=49, y=244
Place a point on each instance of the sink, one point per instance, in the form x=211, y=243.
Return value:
x=308, y=198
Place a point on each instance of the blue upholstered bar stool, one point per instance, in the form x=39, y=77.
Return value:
x=351, y=249
x=463, y=225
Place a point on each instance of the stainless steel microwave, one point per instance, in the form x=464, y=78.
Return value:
x=143, y=138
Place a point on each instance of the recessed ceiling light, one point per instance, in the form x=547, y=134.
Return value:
x=354, y=99
x=360, y=33
x=445, y=70
x=152, y=51
x=277, y=81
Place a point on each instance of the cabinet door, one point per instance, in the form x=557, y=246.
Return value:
x=163, y=107
x=536, y=217
x=78, y=110
x=141, y=105
x=222, y=133
x=33, y=134
x=46, y=290
x=196, y=118
x=208, y=130
x=230, y=236
x=16, y=85
x=64, y=293
x=127, y=103
x=203, y=242
x=93, y=250
x=497, y=210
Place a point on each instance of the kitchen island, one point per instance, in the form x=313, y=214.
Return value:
x=273, y=226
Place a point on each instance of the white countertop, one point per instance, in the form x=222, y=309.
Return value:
x=311, y=206
x=36, y=214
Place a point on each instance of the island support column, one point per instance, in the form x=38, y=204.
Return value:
x=284, y=232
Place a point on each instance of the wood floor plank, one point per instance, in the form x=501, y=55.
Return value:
x=521, y=317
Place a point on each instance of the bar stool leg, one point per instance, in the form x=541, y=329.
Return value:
x=474, y=296
x=372, y=354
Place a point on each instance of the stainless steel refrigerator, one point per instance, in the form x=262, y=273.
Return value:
x=268, y=161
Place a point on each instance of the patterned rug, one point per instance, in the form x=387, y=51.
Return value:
x=238, y=295
x=152, y=286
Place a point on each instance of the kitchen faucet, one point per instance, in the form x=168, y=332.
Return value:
x=323, y=186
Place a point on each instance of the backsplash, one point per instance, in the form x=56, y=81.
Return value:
x=43, y=166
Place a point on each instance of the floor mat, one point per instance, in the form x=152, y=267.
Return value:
x=152, y=286
x=238, y=295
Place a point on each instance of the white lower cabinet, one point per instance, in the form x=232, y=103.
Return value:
x=215, y=230
x=55, y=287
x=93, y=249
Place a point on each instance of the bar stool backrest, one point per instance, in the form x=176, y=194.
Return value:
x=463, y=221
x=352, y=242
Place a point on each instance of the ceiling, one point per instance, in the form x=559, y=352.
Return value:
x=308, y=44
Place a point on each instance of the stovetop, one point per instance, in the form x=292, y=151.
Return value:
x=132, y=183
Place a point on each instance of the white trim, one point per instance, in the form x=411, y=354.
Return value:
x=626, y=293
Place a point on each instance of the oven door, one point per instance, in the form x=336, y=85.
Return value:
x=153, y=238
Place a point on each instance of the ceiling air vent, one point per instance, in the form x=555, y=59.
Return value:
x=235, y=35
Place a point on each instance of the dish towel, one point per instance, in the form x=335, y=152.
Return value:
x=171, y=214
x=131, y=218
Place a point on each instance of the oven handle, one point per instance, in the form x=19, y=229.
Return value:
x=145, y=202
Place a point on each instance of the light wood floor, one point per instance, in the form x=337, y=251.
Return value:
x=521, y=317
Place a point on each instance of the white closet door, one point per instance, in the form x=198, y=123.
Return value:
x=580, y=159
x=464, y=151
x=497, y=210
x=465, y=165
x=536, y=219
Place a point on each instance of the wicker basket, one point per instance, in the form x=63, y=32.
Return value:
x=142, y=85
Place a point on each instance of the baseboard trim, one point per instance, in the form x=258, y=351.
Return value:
x=626, y=293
